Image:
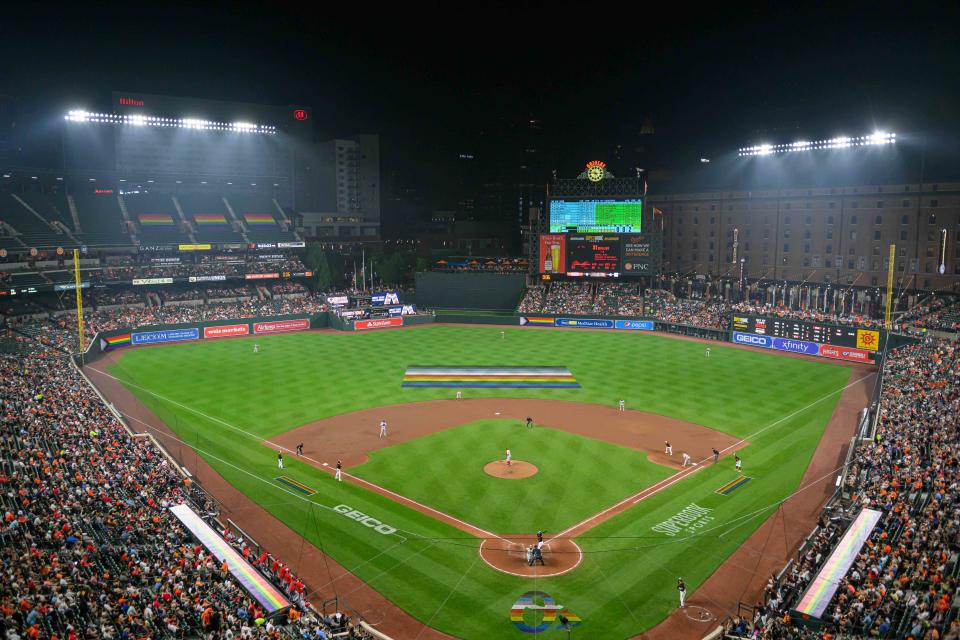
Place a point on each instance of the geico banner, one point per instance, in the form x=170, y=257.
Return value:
x=338, y=300
x=170, y=335
x=139, y=281
x=845, y=353
x=752, y=339
x=379, y=323
x=386, y=297
x=641, y=325
x=207, y=278
x=261, y=276
x=588, y=323
x=226, y=330
x=279, y=326
x=796, y=346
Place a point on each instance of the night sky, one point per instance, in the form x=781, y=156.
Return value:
x=436, y=83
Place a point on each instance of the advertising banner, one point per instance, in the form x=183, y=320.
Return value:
x=170, y=335
x=338, y=301
x=207, y=278
x=385, y=297
x=291, y=245
x=584, y=324
x=868, y=339
x=752, y=339
x=796, y=346
x=71, y=286
x=379, y=323
x=194, y=247
x=261, y=276
x=226, y=331
x=280, y=326
x=553, y=253
x=845, y=353
x=351, y=313
x=403, y=310
x=640, y=325
x=139, y=281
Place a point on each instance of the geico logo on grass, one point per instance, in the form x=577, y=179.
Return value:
x=364, y=519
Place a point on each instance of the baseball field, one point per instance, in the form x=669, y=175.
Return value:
x=432, y=518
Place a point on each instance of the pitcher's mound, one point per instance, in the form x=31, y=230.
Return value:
x=518, y=469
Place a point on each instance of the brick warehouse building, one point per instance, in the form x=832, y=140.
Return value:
x=823, y=235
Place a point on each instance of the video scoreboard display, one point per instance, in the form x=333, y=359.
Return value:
x=606, y=255
x=595, y=215
x=811, y=338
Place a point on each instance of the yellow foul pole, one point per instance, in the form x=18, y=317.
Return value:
x=886, y=310
x=76, y=280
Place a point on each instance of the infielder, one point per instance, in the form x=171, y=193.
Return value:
x=529, y=422
x=738, y=461
x=280, y=459
x=459, y=394
x=300, y=449
x=682, y=588
x=509, y=457
x=716, y=455
x=383, y=428
x=339, y=471
x=686, y=458
x=668, y=448
x=623, y=405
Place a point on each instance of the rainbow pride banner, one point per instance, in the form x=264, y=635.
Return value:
x=818, y=595
x=296, y=486
x=259, y=588
x=733, y=485
x=259, y=220
x=536, y=322
x=210, y=219
x=490, y=378
x=155, y=220
x=122, y=340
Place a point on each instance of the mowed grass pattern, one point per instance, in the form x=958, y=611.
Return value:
x=626, y=582
x=577, y=476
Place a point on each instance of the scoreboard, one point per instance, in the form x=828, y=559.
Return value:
x=811, y=338
x=607, y=255
x=595, y=215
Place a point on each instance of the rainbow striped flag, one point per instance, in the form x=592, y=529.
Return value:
x=733, y=485
x=113, y=342
x=536, y=322
x=267, y=595
x=814, y=602
x=259, y=220
x=210, y=219
x=155, y=219
x=490, y=378
x=297, y=486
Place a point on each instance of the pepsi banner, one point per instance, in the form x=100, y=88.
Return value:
x=639, y=325
x=385, y=297
x=582, y=323
x=170, y=335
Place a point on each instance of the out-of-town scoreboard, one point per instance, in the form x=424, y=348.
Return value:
x=842, y=342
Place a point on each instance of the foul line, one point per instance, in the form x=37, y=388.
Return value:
x=316, y=463
x=680, y=475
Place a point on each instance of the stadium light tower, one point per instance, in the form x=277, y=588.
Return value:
x=877, y=138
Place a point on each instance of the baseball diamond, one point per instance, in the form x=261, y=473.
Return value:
x=617, y=516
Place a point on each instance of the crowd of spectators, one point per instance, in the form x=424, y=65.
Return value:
x=226, y=292
x=289, y=286
x=940, y=313
x=89, y=546
x=903, y=583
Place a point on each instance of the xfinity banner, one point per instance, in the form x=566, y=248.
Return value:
x=796, y=346
x=584, y=324
x=171, y=335
x=386, y=297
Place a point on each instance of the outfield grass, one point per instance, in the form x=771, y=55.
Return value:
x=449, y=475
x=230, y=399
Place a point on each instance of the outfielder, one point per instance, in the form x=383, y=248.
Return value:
x=668, y=448
x=383, y=428
x=509, y=457
x=707, y=352
x=686, y=458
x=339, y=471
x=256, y=348
x=459, y=394
x=682, y=588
